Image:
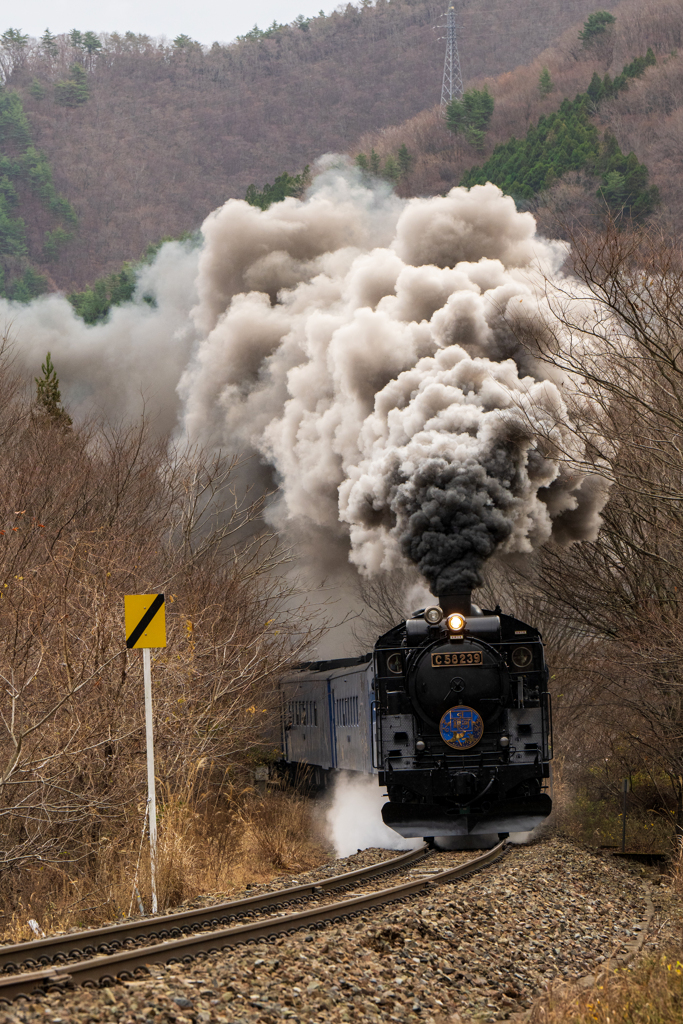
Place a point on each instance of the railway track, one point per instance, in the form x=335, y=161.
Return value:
x=110, y=938
x=198, y=942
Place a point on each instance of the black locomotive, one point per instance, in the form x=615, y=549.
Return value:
x=464, y=722
x=452, y=714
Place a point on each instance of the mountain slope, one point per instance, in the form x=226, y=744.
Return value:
x=168, y=133
x=646, y=118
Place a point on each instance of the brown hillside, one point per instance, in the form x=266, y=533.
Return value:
x=647, y=119
x=167, y=135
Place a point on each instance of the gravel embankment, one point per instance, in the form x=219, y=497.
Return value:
x=473, y=951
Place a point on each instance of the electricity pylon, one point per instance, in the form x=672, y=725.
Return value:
x=451, y=88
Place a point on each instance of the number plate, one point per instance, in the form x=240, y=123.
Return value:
x=446, y=659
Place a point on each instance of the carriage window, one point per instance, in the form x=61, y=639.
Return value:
x=303, y=712
x=347, y=712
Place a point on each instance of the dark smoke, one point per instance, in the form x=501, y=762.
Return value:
x=456, y=516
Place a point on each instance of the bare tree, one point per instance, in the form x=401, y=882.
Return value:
x=88, y=514
x=384, y=603
x=617, y=335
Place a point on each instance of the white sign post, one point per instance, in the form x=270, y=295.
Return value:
x=151, y=786
x=146, y=628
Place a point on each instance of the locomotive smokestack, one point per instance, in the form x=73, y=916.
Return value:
x=456, y=601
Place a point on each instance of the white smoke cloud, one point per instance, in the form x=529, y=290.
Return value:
x=372, y=365
x=360, y=346
x=354, y=819
x=115, y=369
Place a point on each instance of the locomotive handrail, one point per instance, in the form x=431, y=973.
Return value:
x=547, y=708
x=377, y=734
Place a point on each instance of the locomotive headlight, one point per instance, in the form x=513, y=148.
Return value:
x=456, y=622
x=433, y=615
x=521, y=657
x=420, y=746
x=395, y=664
x=504, y=742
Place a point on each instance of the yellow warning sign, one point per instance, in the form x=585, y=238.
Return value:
x=145, y=620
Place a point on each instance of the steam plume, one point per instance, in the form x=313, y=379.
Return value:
x=372, y=365
x=354, y=818
x=360, y=346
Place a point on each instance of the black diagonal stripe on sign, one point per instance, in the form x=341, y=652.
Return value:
x=145, y=621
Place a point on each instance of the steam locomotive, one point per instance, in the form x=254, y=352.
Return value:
x=451, y=712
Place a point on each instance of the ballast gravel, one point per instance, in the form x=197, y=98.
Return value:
x=475, y=950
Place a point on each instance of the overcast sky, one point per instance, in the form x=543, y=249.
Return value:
x=205, y=20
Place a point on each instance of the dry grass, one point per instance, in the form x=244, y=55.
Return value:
x=599, y=823
x=651, y=993
x=213, y=849
x=588, y=814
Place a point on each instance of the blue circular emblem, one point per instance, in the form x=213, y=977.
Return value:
x=461, y=727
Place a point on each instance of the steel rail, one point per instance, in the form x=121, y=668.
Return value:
x=105, y=969
x=111, y=937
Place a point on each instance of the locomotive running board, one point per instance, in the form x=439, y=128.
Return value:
x=418, y=820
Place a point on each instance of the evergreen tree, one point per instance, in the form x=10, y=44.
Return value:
x=14, y=41
x=48, y=402
x=252, y=35
x=49, y=44
x=12, y=231
x=545, y=82
x=391, y=170
x=91, y=44
x=613, y=190
x=471, y=115
x=595, y=26
x=405, y=160
x=608, y=88
x=73, y=91
x=14, y=37
x=23, y=166
x=14, y=126
x=37, y=89
x=395, y=167
x=596, y=88
x=283, y=186
x=93, y=304
x=13, y=45
x=54, y=241
x=28, y=286
x=567, y=140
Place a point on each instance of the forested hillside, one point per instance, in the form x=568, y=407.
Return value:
x=566, y=97
x=26, y=187
x=144, y=137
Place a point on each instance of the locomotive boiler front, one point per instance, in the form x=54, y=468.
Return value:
x=445, y=678
x=463, y=722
